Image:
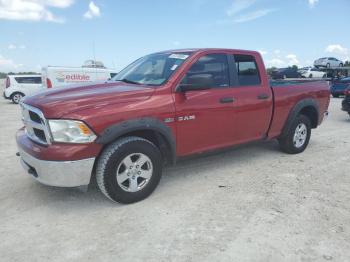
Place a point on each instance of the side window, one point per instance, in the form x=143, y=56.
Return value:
x=209, y=71
x=247, y=70
x=28, y=80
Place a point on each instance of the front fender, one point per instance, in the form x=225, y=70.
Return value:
x=115, y=131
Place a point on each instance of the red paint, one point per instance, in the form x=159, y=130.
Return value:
x=215, y=125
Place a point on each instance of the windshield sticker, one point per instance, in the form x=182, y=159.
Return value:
x=178, y=56
x=173, y=67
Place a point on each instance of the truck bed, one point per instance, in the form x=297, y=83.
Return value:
x=288, y=92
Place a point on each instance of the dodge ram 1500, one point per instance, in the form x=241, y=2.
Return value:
x=162, y=107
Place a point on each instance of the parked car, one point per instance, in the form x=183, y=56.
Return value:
x=163, y=107
x=283, y=73
x=346, y=101
x=91, y=71
x=328, y=62
x=312, y=73
x=339, y=86
x=18, y=86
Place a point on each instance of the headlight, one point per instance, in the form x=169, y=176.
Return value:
x=71, y=131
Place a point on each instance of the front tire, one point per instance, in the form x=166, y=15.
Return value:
x=17, y=97
x=297, y=137
x=129, y=170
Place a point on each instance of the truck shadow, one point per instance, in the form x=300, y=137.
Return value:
x=191, y=166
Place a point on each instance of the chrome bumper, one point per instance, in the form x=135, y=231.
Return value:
x=58, y=173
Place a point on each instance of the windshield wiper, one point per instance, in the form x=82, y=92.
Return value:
x=128, y=81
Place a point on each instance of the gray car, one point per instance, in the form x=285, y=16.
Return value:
x=328, y=62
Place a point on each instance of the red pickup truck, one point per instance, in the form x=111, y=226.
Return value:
x=162, y=107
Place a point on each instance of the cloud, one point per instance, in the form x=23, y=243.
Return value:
x=11, y=46
x=8, y=64
x=93, y=11
x=240, y=12
x=337, y=49
x=292, y=59
x=238, y=6
x=276, y=62
x=253, y=15
x=312, y=3
x=32, y=10
x=263, y=52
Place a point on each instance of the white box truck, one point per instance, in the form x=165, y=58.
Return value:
x=91, y=71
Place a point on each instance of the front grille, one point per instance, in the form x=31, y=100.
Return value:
x=35, y=124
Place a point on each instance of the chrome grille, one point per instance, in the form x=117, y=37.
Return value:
x=36, y=125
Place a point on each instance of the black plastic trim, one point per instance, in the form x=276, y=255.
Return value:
x=115, y=131
x=295, y=111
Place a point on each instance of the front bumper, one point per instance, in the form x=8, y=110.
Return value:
x=5, y=96
x=337, y=92
x=58, y=173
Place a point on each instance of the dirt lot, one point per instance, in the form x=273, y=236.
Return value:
x=251, y=203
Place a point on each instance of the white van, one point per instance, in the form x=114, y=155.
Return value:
x=18, y=86
x=56, y=76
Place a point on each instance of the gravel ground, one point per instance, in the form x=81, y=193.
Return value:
x=251, y=203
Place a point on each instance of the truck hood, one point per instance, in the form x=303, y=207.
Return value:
x=61, y=101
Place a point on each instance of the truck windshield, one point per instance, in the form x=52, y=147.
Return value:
x=153, y=69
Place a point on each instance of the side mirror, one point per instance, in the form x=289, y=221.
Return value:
x=195, y=82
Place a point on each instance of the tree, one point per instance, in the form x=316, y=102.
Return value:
x=269, y=70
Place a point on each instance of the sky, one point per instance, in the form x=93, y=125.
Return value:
x=36, y=33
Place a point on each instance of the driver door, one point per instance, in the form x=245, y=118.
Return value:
x=204, y=114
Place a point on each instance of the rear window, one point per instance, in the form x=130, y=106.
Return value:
x=247, y=70
x=28, y=80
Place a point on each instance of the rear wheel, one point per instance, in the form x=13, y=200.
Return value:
x=17, y=97
x=310, y=76
x=341, y=65
x=328, y=65
x=297, y=137
x=129, y=170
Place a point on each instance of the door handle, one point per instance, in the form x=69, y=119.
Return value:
x=225, y=100
x=263, y=96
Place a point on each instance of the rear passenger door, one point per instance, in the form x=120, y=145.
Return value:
x=253, y=101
